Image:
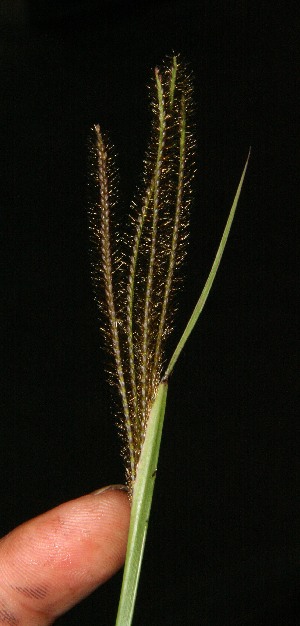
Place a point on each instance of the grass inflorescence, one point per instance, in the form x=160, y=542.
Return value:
x=135, y=287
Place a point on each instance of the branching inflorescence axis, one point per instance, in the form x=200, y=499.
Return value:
x=137, y=299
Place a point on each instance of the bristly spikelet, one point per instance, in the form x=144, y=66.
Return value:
x=100, y=224
x=138, y=310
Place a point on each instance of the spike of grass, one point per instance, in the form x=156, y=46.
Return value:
x=175, y=236
x=145, y=374
x=107, y=270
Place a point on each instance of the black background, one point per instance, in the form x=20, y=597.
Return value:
x=222, y=546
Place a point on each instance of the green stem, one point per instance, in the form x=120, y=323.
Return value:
x=141, y=505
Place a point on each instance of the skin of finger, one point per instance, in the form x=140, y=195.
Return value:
x=52, y=561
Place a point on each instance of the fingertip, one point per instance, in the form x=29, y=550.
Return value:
x=113, y=506
x=67, y=552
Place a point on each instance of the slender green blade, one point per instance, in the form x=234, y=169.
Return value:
x=141, y=505
x=211, y=277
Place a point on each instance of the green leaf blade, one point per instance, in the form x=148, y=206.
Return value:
x=210, y=279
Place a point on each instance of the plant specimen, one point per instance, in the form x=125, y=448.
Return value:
x=135, y=278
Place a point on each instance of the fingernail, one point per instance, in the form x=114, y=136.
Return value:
x=110, y=488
